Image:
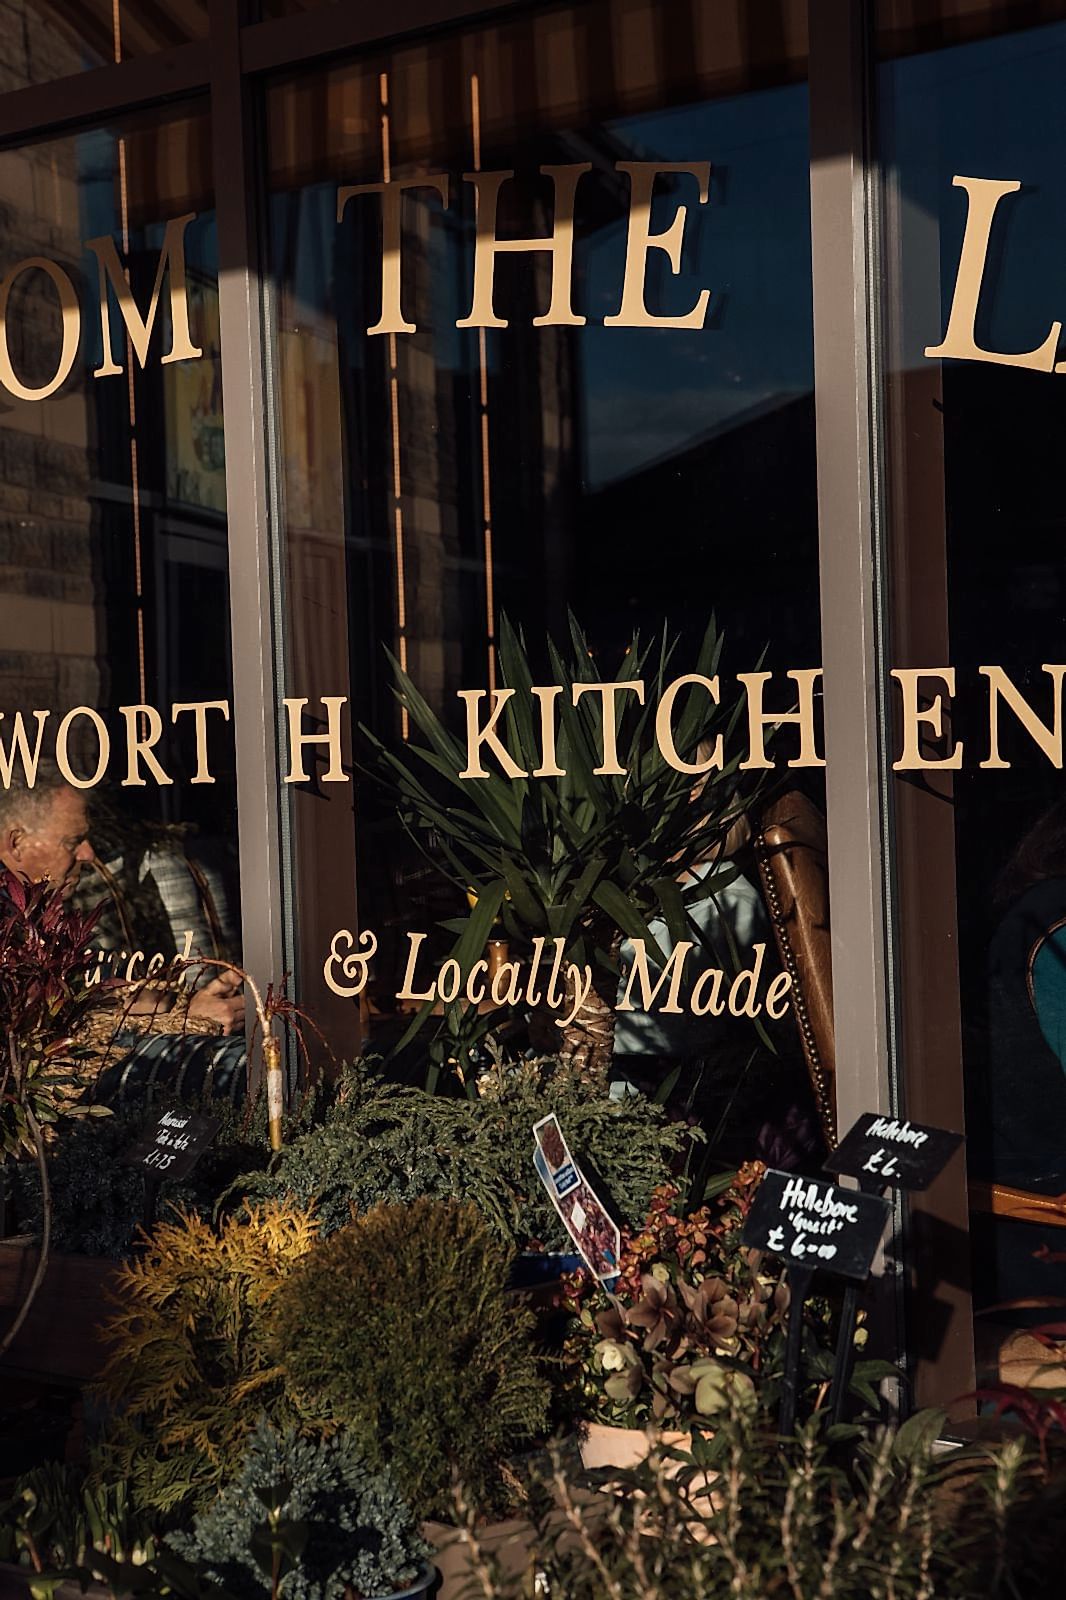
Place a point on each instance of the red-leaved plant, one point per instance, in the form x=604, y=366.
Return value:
x=43, y=944
x=694, y=1323
x=43, y=957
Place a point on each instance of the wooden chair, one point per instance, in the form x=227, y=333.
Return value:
x=790, y=847
x=1020, y=1205
x=791, y=851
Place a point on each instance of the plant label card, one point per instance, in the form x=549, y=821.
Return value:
x=899, y=1154
x=585, y=1218
x=814, y=1224
x=172, y=1144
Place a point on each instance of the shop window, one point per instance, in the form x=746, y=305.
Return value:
x=48, y=39
x=971, y=129
x=457, y=458
x=114, y=587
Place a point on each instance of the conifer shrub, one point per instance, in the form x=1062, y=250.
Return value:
x=384, y=1141
x=355, y=1536
x=398, y=1328
x=190, y=1367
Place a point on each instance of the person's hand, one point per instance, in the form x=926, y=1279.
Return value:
x=221, y=1001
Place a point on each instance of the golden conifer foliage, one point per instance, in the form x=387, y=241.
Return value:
x=190, y=1371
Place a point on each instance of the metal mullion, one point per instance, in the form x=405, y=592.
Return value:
x=253, y=586
x=104, y=91
x=851, y=573
x=333, y=30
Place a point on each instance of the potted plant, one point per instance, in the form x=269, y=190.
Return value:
x=693, y=1328
x=578, y=855
x=303, y=1518
x=190, y=1366
x=307, y=1516
x=378, y=1140
x=398, y=1329
x=42, y=1003
x=895, y=1513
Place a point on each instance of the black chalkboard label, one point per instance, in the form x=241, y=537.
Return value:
x=814, y=1224
x=172, y=1144
x=893, y=1152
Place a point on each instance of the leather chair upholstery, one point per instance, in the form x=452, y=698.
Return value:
x=791, y=851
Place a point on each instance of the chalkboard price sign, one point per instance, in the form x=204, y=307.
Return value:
x=894, y=1153
x=816, y=1225
x=172, y=1144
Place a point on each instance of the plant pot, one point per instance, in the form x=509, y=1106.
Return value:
x=427, y=1577
x=538, y=1269
x=509, y=1543
x=60, y=1337
x=625, y=1448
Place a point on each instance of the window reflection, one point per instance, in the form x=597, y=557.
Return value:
x=47, y=39
x=438, y=481
x=113, y=547
x=980, y=578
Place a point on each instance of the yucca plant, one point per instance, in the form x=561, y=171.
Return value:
x=585, y=857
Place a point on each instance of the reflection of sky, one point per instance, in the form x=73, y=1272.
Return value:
x=649, y=393
x=994, y=109
x=645, y=393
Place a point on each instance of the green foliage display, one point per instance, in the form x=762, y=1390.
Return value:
x=98, y=1200
x=830, y=1515
x=356, y=1536
x=190, y=1367
x=398, y=1328
x=382, y=1141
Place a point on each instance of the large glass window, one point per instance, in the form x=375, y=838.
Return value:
x=619, y=429
x=975, y=211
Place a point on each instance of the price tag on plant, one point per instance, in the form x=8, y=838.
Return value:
x=172, y=1144
x=584, y=1216
x=814, y=1224
x=899, y=1154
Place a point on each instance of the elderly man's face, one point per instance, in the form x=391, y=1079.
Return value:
x=50, y=841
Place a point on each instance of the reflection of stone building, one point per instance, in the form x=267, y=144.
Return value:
x=49, y=39
x=113, y=552
x=435, y=480
x=48, y=630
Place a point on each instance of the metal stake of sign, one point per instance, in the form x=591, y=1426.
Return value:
x=844, y=1356
x=813, y=1226
x=799, y=1283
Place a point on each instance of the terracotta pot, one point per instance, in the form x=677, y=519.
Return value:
x=422, y=1585
x=604, y=1446
x=625, y=1448
x=509, y=1543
